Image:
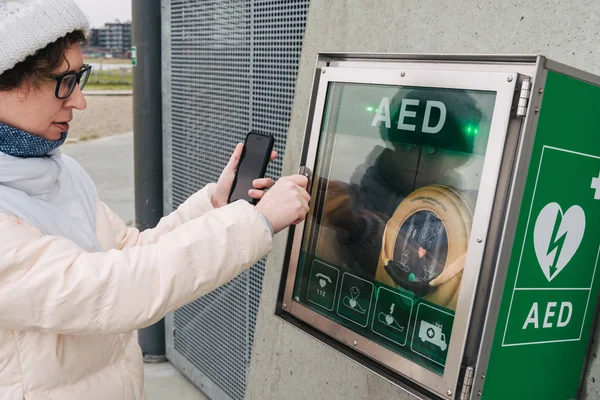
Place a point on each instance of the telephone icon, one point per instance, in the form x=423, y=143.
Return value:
x=323, y=279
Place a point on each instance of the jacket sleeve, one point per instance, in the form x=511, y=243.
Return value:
x=194, y=207
x=49, y=284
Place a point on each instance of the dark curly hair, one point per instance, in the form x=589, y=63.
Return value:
x=42, y=64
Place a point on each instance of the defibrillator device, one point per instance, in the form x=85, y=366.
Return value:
x=424, y=244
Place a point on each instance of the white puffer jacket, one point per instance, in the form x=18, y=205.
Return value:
x=68, y=316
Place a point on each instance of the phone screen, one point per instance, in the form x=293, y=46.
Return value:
x=257, y=151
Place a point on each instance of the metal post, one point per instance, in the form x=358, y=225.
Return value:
x=147, y=126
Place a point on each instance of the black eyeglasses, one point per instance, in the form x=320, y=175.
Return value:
x=65, y=83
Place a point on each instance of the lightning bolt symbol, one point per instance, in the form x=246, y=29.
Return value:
x=556, y=247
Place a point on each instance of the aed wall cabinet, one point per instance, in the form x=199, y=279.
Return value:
x=454, y=229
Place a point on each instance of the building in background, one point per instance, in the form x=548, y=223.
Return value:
x=114, y=40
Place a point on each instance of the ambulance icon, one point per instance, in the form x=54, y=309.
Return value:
x=433, y=334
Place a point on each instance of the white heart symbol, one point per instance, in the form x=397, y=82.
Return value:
x=566, y=242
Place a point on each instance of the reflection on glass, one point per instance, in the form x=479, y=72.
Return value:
x=398, y=173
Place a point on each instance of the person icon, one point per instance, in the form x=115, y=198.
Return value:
x=404, y=258
x=352, y=300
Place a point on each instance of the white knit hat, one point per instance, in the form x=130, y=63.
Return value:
x=27, y=26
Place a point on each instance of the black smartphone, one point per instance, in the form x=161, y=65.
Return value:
x=253, y=165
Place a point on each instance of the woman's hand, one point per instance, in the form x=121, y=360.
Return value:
x=221, y=193
x=286, y=203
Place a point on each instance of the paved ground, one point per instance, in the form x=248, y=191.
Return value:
x=89, y=93
x=109, y=161
x=163, y=382
x=104, y=116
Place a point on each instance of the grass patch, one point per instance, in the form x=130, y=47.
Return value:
x=86, y=138
x=93, y=86
x=111, y=78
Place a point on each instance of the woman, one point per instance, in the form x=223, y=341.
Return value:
x=75, y=282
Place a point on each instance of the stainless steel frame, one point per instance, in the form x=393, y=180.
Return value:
x=518, y=180
x=503, y=83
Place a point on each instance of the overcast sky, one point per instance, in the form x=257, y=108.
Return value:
x=101, y=11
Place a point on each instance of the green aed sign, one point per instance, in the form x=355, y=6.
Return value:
x=551, y=291
x=554, y=282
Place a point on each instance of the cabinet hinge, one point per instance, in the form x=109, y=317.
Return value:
x=524, y=96
x=465, y=391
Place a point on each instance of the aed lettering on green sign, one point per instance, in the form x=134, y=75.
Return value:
x=553, y=286
x=448, y=119
x=427, y=126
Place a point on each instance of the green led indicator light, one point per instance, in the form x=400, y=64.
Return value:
x=412, y=277
x=472, y=130
x=370, y=109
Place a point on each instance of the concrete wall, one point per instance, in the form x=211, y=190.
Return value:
x=287, y=364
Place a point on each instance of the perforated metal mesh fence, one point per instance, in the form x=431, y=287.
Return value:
x=233, y=67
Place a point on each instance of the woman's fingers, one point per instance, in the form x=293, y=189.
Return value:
x=234, y=161
x=263, y=183
x=305, y=195
x=306, y=208
x=256, y=194
x=259, y=187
